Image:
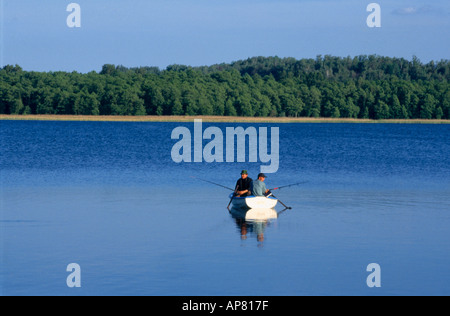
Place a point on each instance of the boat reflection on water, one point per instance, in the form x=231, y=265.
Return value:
x=253, y=221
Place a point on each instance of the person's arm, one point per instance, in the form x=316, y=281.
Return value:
x=265, y=189
x=239, y=190
x=248, y=184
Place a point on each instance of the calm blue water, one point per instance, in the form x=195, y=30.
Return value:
x=108, y=197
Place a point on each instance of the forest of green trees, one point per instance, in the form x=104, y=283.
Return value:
x=372, y=87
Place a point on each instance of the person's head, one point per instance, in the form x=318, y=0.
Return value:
x=261, y=177
x=244, y=174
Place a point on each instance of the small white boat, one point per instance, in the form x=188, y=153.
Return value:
x=254, y=202
x=255, y=214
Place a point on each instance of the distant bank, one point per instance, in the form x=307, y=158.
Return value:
x=214, y=119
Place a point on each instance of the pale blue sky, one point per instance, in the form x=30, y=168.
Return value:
x=137, y=33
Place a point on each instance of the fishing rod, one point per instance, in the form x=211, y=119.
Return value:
x=288, y=186
x=235, y=190
x=222, y=186
x=219, y=185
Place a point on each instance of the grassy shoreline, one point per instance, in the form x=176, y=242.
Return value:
x=212, y=119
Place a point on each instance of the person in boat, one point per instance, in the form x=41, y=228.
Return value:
x=243, y=185
x=259, y=187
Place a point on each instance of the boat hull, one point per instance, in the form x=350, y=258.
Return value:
x=254, y=202
x=255, y=214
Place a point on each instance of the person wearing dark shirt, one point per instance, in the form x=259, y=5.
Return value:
x=243, y=185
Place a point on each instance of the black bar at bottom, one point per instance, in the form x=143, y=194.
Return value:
x=225, y=304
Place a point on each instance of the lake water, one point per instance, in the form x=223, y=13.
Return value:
x=107, y=196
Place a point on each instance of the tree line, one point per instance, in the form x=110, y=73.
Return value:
x=372, y=87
